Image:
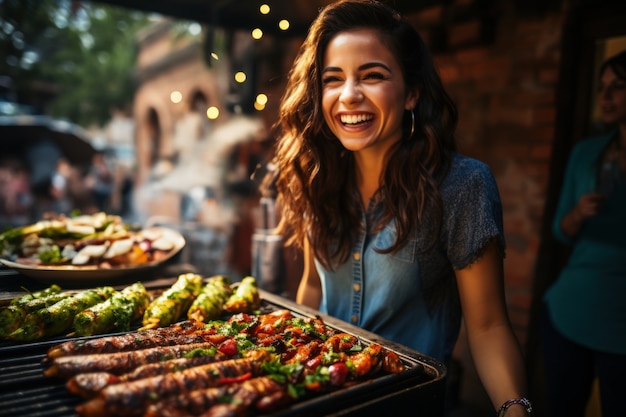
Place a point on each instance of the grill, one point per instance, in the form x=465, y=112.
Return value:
x=26, y=392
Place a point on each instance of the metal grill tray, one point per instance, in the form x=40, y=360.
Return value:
x=26, y=392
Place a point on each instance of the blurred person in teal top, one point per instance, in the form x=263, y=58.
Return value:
x=584, y=323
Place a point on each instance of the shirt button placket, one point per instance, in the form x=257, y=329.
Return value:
x=356, y=287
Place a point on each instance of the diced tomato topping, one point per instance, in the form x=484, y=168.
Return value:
x=313, y=363
x=338, y=373
x=228, y=347
x=231, y=380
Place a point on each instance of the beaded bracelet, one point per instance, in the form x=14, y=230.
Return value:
x=516, y=401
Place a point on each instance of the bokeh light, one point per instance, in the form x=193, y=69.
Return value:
x=261, y=99
x=176, y=96
x=257, y=33
x=240, y=76
x=212, y=113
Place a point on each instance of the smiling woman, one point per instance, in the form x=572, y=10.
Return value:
x=401, y=235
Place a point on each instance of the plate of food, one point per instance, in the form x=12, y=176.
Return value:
x=86, y=248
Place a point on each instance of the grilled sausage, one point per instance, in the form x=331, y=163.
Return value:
x=176, y=334
x=89, y=384
x=120, y=362
x=132, y=398
x=241, y=395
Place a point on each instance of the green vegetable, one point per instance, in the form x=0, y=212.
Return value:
x=246, y=298
x=57, y=231
x=50, y=255
x=210, y=302
x=115, y=313
x=176, y=300
x=59, y=317
x=12, y=315
x=25, y=299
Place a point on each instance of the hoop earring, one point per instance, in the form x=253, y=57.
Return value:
x=412, y=124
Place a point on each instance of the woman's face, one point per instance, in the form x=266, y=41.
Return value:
x=363, y=91
x=612, y=97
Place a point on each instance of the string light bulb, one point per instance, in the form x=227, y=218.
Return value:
x=261, y=99
x=240, y=77
x=212, y=113
x=176, y=96
x=257, y=33
x=283, y=24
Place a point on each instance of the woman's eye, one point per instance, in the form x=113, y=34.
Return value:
x=374, y=76
x=330, y=79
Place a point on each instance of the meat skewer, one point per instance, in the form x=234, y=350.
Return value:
x=132, y=398
x=89, y=384
x=235, y=398
x=176, y=334
x=120, y=362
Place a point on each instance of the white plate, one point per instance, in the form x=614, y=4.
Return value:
x=87, y=275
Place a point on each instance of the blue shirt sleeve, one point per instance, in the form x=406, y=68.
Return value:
x=473, y=212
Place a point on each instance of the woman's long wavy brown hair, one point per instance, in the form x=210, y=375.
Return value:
x=315, y=177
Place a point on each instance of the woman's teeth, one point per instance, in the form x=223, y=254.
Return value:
x=353, y=119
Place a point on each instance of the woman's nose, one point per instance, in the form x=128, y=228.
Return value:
x=351, y=93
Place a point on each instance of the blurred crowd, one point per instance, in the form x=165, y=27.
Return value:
x=30, y=191
x=205, y=189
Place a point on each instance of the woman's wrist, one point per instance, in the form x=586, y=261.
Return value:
x=515, y=402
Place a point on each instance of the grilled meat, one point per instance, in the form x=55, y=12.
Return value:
x=132, y=398
x=120, y=362
x=177, y=334
x=235, y=398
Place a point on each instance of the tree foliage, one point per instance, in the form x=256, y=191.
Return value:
x=82, y=52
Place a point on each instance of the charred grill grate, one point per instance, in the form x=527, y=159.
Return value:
x=26, y=392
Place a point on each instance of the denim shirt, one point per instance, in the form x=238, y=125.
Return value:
x=410, y=297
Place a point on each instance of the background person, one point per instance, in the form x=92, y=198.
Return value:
x=100, y=181
x=401, y=235
x=60, y=188
x=584, y=322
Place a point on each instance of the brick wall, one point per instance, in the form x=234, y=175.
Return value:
x=502, y=69
x=503, y=72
